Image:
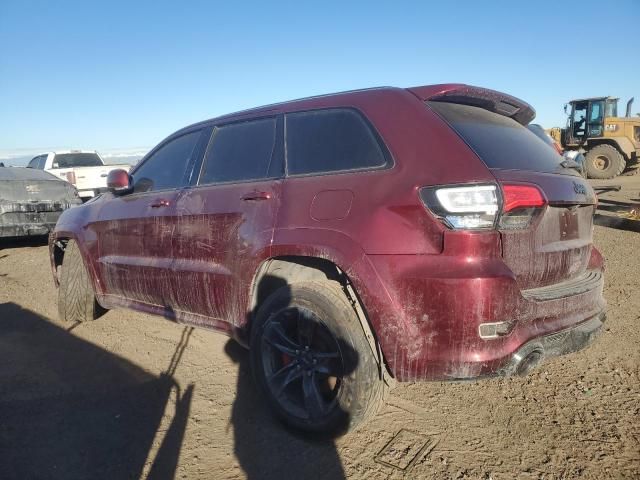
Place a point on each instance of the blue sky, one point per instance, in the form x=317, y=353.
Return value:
x=120, y=76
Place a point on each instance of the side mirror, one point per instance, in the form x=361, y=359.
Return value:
x=119, y=182
x=565, y=109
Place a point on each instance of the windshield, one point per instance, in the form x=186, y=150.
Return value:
x=71, y=160
x=499, y=141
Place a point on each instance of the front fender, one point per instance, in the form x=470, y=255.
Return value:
x=73, y=224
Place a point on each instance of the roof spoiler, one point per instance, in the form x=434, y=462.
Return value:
x=490, y=100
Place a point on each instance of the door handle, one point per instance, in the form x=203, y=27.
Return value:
x=255, y=196
x=160, y=203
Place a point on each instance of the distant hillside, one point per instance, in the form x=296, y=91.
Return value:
x=130, y=160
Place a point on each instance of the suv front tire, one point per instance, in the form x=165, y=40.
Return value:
x=76, y=299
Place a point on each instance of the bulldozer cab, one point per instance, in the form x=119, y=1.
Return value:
x=586, y=118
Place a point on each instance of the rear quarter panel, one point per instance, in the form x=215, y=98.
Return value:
x=385, y=215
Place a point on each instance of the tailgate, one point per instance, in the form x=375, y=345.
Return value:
x=88, y=178
x=46, y=193
x=557, y=245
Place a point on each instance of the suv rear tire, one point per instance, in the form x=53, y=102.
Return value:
x=312, y=361
x=604, y=161
x=76, y=299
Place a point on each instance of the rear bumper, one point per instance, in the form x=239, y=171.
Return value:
x=26, y=229
x=29, y=219
x=437, y=322
x=29, y=225
x=570, y=340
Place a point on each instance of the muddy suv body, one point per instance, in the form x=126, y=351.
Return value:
x=443, y=236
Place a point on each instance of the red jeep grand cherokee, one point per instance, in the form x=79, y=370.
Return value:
x=348, y=240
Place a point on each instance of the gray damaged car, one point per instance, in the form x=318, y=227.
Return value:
x=32, y=200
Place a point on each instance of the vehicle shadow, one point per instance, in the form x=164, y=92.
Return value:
x=20, y=242
x=264, y=448
x=72, y=410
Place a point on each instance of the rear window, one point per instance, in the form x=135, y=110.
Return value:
x=72, y=160
x=499, y=141
x=330, y=140
x=38, y=162
x=539, y=132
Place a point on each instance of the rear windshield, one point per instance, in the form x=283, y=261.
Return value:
x=499, y=141
x=71, y=160
x=539, y=132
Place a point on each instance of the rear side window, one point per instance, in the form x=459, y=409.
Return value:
x=499, y=141
x=72, y=160
x=165, y=168
x=240, y=152
x=330, y=140
x=38, y=162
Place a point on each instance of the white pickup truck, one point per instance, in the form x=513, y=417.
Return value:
x=84, y=169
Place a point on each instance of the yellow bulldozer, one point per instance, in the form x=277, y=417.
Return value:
x=610, y=143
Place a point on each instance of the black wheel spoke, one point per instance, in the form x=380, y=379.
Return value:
x=284, y=377
x=303, y=363
x=313, y=401
x=275, y=336
x=327, y=355
x=329, y=369
x=306, y=328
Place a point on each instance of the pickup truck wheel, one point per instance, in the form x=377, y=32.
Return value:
x=311, y=359
x=604, y=161
x=76, y=299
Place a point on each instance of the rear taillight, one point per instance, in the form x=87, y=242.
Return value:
x=464, y=207
x=558, y=148
x=521, y=196
x=71, y=178
x=477, y=207
x=520, y=205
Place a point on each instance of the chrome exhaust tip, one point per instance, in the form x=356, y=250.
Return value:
x=528, y=363
x=525, y=360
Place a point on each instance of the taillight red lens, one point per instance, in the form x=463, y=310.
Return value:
x=558, y=148
x=71, y=178
x=521, y=196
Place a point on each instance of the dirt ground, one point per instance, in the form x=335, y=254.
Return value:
x=134, y=396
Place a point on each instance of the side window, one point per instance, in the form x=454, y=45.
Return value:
x=596, y=112
x=165, y=168
x=330, y=140
x=240, y=151
x=596, y=119
x=42, y=162
x=579, y=120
